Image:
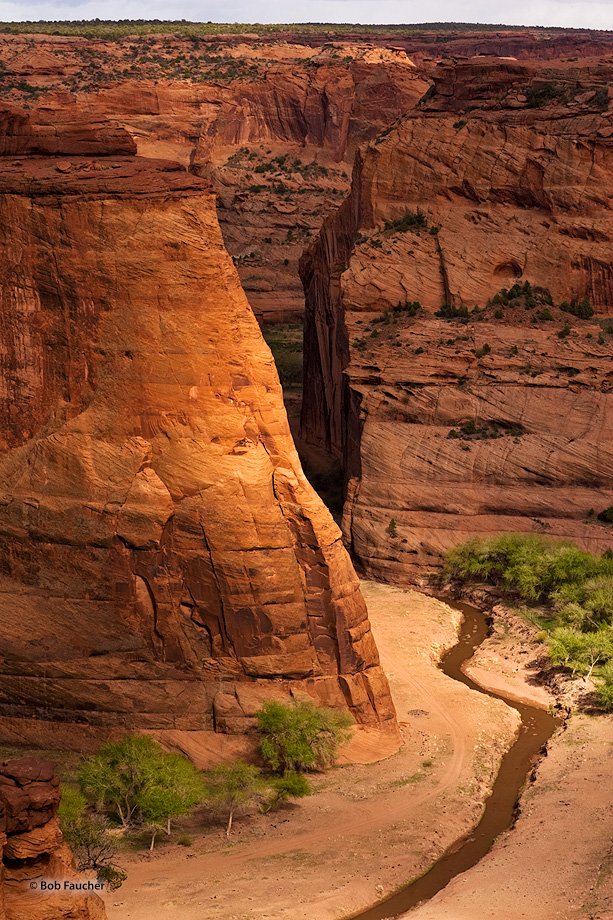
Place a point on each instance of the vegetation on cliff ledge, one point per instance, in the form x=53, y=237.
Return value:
x=572, y=589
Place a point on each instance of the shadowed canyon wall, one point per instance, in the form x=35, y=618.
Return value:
x=458, y=410
x=32, y=848
x=164, y=563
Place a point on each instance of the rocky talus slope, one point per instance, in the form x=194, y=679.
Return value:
x=273, y=125
x=164, y=562
x=458, y=348
x=32, y=848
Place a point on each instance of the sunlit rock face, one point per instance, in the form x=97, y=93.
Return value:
x=164, y=562
x=497, y=194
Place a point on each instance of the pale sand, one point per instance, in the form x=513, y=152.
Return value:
x=369, y=828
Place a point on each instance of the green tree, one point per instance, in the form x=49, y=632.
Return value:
x=88, y=838
x=137, y=781
x=114, y=778
x=301, y=736
x=232, y=786
x=178, y=788
x=574, y=589
x=291, y=785
x=604, y=687
x=581, y=652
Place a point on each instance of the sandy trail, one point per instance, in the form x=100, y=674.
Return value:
x=369, y=828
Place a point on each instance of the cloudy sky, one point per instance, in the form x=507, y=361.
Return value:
x=594, y=14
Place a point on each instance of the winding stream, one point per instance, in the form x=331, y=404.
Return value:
x=537, y=726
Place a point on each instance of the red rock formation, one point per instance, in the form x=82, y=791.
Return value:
x=505, y=195
x=32, y=848
x=228, y=116
x=228, y=105
x=164, y=561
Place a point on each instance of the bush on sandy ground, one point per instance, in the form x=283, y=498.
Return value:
x=573, y=587
x=301, y=736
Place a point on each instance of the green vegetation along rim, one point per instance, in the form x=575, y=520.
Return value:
x=109, y=28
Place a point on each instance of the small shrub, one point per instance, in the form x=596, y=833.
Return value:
x=451, y=312
x=89, y=839
x=301, y=736
x=582, y=309
x=408, y=307
x=391, y=528
x=601, y=99
x=537, y=96
x=412, y=220
x=607, y=515
x=291, y=785
x=112, y=876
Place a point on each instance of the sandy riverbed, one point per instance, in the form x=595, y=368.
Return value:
x=369, y=828
x=557, y=862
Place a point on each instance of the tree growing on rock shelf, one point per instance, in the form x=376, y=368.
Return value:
x=137, y=783
x=301, y=736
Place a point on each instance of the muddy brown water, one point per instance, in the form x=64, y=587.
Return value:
x=537, y=726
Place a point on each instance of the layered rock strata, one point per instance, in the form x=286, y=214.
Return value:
x=459, y=410
x=32, y=849
x=272, y=125
x=164, y=562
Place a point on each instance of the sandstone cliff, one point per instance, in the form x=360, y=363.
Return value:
x=459, y=410
x=273, y=126
x=164, y=562
x=32, y=848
